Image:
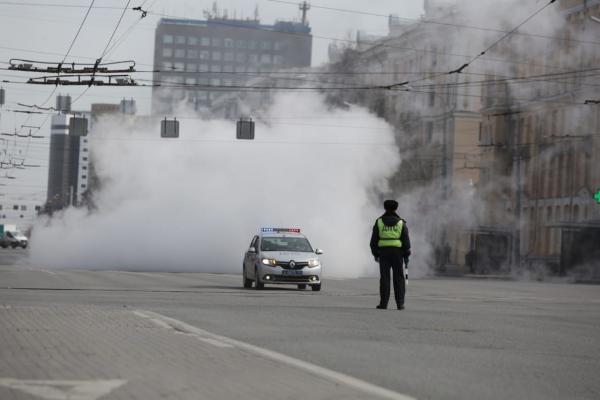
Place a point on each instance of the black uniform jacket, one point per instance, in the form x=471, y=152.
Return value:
x=390, y=218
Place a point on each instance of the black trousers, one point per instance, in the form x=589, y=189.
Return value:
x=391, y=259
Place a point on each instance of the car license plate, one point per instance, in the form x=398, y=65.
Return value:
x=291, y=272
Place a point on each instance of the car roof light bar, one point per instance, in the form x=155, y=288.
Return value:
x=295, y=230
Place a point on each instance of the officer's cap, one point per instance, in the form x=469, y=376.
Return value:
x=390, y=205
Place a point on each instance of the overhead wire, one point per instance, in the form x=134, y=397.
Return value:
x=506, y=35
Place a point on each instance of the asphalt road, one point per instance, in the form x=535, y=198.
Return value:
x=125, y=335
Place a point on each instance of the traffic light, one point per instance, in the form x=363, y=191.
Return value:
x=2, y=95
x=245, y=128
x=78, y=126
x=169, y=129
x=597, y=196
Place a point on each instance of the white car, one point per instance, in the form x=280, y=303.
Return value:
x=282, y=256
x=13, y=239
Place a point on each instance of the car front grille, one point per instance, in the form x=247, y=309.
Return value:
x=286, y=264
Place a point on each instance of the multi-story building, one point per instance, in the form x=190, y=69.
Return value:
x=524, y=148
x=70, y=171
x=196, y=60
x=436, y=128
x=541, y=143
x=68, y=160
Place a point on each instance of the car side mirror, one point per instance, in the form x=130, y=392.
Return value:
x=251, y=249
x=318, y=251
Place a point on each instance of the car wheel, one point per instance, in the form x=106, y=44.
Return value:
x=316, y=288
x=258, y=285
x=14, y=246
x=302, y=286
x=247, y=282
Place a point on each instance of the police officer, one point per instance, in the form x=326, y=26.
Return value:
x=390, y=245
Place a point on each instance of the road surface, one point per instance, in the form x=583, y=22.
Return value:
x=77, y=334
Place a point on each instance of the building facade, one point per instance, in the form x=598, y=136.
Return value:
x=523, y=149
x=68, y=161
x=71, y=175
x=197, y=60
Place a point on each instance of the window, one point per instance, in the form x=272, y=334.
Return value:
x=190, y=81
x=85, y=150
x=179, y=53
x=178, y=66
x=277, y=60
x=228, y=68
x=84, y=158
x=228, y=56
x=16, y=207
x=278, y=46
x=203, y=68
x=167, y=66
x=167, y=39
x=265, y=59
x=240, y=44
x=216, y=55
x=215, y=68
x=83, y=176
x=215, y=81
x=240, y=57
x=192, y=40
x=253, y=44
x=167, y=52
x=191, y=67
x=192, y=54
x=429, y=133
x=253, y=58
x=240, y=68
x=37, y=208
x=203, y=81
x=229, y=43
x=84, y=168
x=227, y=82
x=205, y=41
x=266, y=45
x=179, y=39
x=216, y=42
x=83, y=186
x=23, y=208
x=205, y=55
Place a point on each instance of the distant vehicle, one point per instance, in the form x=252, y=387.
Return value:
x=10, y=236
x=282, y=256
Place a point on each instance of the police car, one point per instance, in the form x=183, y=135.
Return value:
x=282, y=256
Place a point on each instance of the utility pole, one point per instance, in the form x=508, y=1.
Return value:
x=517, y=159
x=304, y=7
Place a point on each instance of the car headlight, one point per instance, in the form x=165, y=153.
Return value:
x=269, y=261
x=314, y=263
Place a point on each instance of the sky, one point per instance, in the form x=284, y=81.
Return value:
x=43, y=32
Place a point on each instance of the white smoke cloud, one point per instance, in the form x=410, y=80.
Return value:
x=194, y=203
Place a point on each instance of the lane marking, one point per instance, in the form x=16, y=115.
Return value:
x=63, y=389
x=312, y=369
x=182, y=327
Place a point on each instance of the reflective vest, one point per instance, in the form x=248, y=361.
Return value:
x=389, y=236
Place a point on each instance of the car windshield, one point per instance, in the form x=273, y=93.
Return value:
x=285, y=244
